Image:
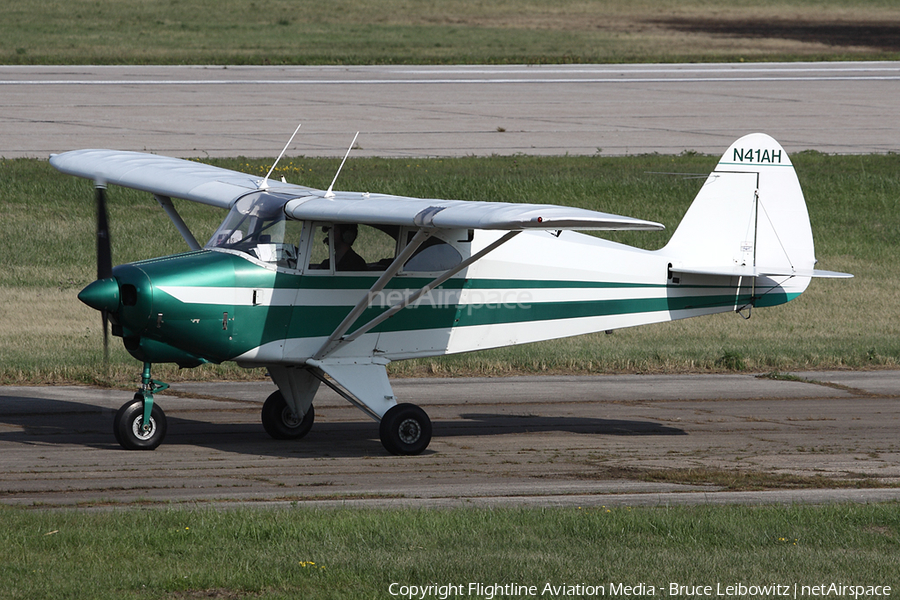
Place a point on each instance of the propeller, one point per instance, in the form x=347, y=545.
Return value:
x=104, y=257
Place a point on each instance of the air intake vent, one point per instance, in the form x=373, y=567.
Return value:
x=129, y=295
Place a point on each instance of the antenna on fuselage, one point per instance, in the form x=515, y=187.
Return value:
x=265, y=182
x=329, y=193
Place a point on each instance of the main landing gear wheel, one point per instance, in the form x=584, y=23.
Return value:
x=405, y=429
x=130, y=430
x=281, y=423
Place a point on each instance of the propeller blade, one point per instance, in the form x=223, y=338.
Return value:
x=104, y=250
x=104, y=258
x=105, y=339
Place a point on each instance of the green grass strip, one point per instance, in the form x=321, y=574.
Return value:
x=357, y=32
x=340, y=553
x=47, y=256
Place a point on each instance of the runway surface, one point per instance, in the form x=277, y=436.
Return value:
x=418, y=111
x=544, y=441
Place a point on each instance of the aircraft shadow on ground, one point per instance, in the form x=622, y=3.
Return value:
x=50, y=421
x=495, y=424
x=68, y=422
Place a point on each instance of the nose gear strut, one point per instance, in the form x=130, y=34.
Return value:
x=148, y=388
x=141, y=424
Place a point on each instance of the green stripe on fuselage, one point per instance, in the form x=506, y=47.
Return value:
x=218, y=338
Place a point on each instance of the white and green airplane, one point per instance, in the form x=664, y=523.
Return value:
x=323, y=286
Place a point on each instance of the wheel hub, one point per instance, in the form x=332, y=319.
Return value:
x=141, y=430
x=410, y=431
x=290, y=419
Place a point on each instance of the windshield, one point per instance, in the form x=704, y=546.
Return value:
x=257, y=225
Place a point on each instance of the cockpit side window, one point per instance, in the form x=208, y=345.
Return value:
x=434, y=254
x=352, y=247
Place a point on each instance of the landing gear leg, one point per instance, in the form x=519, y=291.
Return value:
x=404, y=428
x=141, y=424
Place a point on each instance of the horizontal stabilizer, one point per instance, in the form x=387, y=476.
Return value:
x=749, y=271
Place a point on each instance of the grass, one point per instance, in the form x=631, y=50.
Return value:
x=46, y=222
x=299, y=552
x=298, y=32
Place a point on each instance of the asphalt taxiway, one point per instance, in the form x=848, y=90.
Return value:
x=448, y=110
x=547, y=441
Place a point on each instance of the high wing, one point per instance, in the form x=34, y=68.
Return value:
x=166, y=176
x=198, y=182
x=384, y=209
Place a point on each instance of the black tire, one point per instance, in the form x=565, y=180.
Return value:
x=405, y=429
x=281, y=423
x=118, y=417
x=129, y=430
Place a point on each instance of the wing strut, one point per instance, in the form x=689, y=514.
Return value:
x=335, y=338
x=180, y=225
x=338, y=338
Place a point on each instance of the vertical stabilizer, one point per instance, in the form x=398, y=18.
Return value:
x=749, y=218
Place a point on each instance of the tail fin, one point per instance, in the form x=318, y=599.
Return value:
x=749, y=219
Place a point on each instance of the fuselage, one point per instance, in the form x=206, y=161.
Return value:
x=218, y=304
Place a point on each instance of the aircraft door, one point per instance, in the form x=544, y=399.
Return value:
x=340, y=262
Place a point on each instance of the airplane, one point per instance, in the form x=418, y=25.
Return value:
x=329, y=287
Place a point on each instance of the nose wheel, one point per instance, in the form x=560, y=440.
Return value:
x=141, y=424
x=133, y=432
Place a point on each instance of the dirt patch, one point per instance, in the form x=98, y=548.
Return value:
x=883, y=36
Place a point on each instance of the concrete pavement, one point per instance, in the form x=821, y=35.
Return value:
x=420, y=111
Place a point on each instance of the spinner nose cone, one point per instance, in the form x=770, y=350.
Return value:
x=102, y=294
